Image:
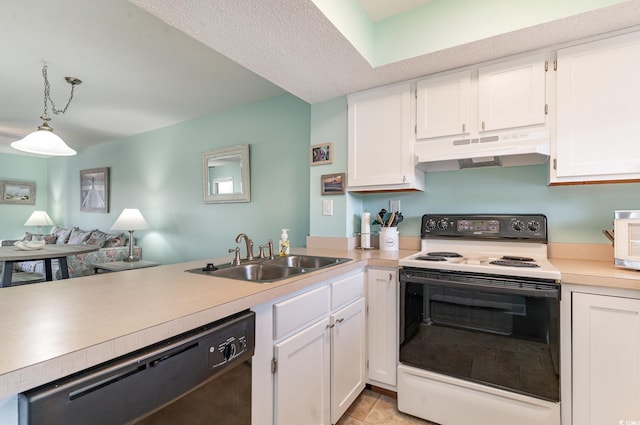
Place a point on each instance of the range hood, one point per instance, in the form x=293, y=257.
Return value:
x=505, y=150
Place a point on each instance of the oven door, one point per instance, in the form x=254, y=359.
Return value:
x=493, y=330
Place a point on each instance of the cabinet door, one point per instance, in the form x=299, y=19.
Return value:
x=347, y=357
x=379, y=133
x=302, y=388
x=512, y=94
x=443, y=105
x=598, y=130
x=382, y=332
x=606, y=359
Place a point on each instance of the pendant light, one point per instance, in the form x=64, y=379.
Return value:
x=44, y=141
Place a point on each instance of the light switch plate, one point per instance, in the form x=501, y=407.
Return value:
x=327, y=207
x=394, y=205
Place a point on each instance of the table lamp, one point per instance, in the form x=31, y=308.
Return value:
x=39, y=218
x=130, y=219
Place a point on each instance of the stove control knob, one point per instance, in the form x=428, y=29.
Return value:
x=443, y=224
x=430, y=225
x=518, y=226
x=533, y=226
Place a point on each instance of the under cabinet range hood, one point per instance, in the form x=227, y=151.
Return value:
x=504, y=150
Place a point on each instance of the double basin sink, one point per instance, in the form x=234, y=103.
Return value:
x=271, y=270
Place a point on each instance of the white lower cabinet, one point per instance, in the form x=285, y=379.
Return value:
x=605, y=359
x=382, y=327
x=302, y=387
x=348, y=356
x=319, y=352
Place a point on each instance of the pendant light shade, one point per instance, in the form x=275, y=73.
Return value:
x=43, y=141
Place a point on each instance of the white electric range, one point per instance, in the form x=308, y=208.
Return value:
x=479, y=322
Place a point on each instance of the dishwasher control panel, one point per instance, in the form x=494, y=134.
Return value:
x=226, y=351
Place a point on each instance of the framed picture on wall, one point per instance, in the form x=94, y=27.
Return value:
x=94, y=190
x=19, y=193
x=321, y=154
x=332, y=184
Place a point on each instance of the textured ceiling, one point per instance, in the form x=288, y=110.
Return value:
x=147, y=64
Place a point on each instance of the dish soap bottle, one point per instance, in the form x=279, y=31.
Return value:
x=284, y=242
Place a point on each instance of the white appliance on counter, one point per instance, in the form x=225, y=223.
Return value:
x=479, y=323
x=626, y=234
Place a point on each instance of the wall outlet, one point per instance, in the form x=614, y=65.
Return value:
x=394, y=205
x=327, y=207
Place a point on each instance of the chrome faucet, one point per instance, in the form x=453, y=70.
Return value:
x=262, y=255
x=249, y=244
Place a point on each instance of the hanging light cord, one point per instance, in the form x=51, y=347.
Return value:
x=47, y=96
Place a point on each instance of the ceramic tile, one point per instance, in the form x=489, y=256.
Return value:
x=385, y=412
x=372, y=408
x=348, y=420
x=363, y=405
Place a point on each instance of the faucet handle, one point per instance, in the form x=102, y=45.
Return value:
x=270, y=244
x=236, y=257
x=261, y=251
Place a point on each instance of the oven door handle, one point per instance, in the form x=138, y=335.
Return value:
x=551, y=292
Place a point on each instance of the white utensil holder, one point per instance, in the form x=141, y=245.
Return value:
x=388, y=239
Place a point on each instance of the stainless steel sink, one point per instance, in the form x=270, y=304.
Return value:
x=265, y=271
x=261, y=272
x=307, y=261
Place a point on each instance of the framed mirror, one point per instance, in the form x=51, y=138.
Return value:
x=226, y=175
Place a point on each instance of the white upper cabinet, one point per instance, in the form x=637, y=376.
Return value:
x=485, y=115
x=483, y=99
x=381, y=141
x=598, y=125
x=443, y=105
x=512, y=94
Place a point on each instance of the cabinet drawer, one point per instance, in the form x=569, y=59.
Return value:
x=346, y=290
x=303, y=309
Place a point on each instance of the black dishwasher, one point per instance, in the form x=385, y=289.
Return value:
x=200, y=377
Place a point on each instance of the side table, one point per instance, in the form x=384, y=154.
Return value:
x=119, y=266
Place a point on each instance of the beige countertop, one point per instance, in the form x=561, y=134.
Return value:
x=53, y=329
x=597, y=273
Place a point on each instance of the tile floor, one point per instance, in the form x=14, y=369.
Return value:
x=372, y=408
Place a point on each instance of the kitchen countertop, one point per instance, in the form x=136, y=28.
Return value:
x=54, y=329
x=57, y=328
x=597, y=273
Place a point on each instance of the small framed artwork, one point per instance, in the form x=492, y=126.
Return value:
x=332, y=184
x=94, y=190
x=321, y=154
x=19, y=193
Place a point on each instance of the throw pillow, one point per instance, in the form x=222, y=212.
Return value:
x=96, y=238
x=78, y=236
x=49, y=239
x=115, y=240
x=28, y=236
x=62, y=234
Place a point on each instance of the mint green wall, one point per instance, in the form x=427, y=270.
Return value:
x=329, y=125
x=576, y=214
x=28, y=169
x=441, y=24
x=160, y=172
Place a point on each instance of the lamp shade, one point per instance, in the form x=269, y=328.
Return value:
x=130, y=219
x=39, y=218
x=43, y=142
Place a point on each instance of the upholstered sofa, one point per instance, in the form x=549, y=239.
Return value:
x=112, y=247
